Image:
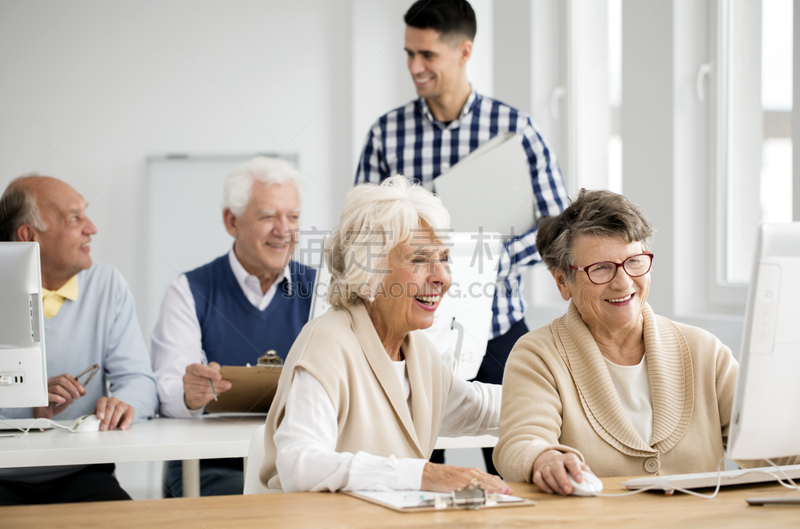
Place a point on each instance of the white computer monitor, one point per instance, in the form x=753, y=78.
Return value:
x=23, y=371
x=460, y=329
x=765, y=420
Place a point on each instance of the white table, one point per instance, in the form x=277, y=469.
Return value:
x=187, y=440
x=156, y=440
x=477, y=441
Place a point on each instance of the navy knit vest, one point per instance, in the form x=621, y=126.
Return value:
x=234, y=331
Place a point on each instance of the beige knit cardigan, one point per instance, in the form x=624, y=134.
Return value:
x=558, y=394
x=342, y=350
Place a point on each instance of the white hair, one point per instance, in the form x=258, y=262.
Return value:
x=376, y=219
x=268, y=170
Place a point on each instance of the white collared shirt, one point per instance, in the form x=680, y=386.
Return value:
x=177, y=340
x=251, y=285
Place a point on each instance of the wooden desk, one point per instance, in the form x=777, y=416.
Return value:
x=647, y=510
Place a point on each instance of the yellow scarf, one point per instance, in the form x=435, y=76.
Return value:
x=53, y=300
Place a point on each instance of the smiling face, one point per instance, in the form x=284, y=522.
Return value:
x=64, y=246
x=413, y=290
x=615, y=307
x=266, y=232
x=437, y=66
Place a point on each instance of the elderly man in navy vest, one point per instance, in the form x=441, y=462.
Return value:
x=235, y=308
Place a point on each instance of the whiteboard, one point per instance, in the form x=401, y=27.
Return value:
x=184, y=219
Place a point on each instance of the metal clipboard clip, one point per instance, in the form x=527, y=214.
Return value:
x=471, y=496
x=270, y=359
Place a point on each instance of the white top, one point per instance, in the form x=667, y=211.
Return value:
x=177, y=339
x=307, y=437
x=633, y=387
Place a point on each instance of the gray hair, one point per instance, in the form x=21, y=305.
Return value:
x=376, y=219
x=601, y=213
x=268, y=170
x=18, y=207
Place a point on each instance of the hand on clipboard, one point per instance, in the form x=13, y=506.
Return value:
x=251, y=389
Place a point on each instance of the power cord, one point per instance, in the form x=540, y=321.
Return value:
x=762, y=470
x=33, y=427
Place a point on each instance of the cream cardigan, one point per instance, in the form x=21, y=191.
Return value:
x=342, y=351
x=558, y=394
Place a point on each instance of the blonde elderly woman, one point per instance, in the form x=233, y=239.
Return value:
x=610, y=387
x=364, y=395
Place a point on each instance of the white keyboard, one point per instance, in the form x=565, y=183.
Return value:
x=709, y=479
x=24, y=424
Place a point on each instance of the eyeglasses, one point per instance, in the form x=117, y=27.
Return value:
x=604, y=271
x=91, y=371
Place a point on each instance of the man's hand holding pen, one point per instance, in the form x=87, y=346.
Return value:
x=202, y=383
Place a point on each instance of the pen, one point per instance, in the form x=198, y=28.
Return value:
x=211, y=382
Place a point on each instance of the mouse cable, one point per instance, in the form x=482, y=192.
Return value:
x=31, y=427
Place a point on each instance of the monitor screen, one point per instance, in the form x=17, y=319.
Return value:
x=23, y=372
x=765, y=422
x=460, y=329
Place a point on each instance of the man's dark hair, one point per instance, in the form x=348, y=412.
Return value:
x=17, y=207
x=449, y=17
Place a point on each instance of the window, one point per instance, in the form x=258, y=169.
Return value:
x=577, y=89
x=615, y=95
x=754, y=125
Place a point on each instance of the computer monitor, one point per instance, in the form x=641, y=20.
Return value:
x=765, y=421
x=460, y=329
x=23, y=371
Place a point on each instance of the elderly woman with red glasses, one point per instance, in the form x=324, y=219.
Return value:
x=610, y=387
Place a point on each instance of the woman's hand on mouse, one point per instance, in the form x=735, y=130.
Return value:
x=550, y=471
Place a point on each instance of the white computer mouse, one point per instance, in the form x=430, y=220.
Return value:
x=590, y=486
x=86, y=424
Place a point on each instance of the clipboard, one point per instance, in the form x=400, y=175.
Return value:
x=421, y=501
x=252, y=387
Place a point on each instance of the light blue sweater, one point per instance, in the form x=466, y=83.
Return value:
x=100, y=327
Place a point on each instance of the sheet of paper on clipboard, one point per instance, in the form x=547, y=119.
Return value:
x=252, y=387
x=417, y=501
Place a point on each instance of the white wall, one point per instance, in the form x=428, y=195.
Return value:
x=89, y=89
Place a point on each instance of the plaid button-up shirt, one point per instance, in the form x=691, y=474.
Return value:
x=409, y=141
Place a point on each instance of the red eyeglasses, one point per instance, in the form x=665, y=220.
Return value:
x=604, y=271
